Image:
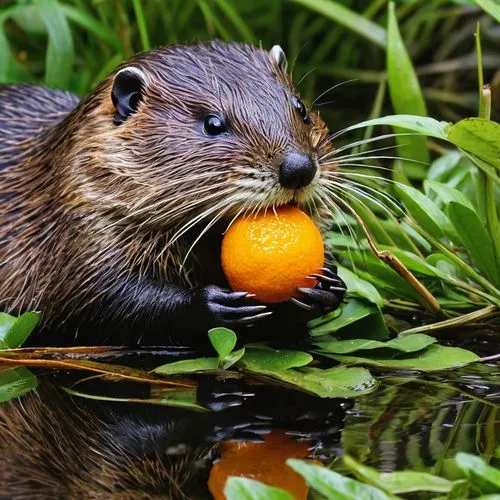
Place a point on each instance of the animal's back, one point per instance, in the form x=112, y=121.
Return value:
x=27, y=111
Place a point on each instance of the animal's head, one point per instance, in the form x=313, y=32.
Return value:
x=207, y=130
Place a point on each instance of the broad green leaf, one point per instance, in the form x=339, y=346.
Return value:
x=421, y=124
x=413, y=262
x=188, y=366
x=405, y=91
x=411, y=343
x=434, y=358
x=232, y=358
x=483, y=476
x=242, y=488
x=60, y=50
x=14, y=331
x=476, y=239
x=223, y=341
x=348, y=18
x=447, y=194
x=442, y=166
x=360, y=287
x=337, y=382
x=354, y=311
x=492, y=7
x=333, y=485
x=478, y=137
x=406, y=481
x=427, y=213
x=15, y=382
x=274, y=359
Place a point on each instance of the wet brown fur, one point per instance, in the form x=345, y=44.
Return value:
x=88, y=206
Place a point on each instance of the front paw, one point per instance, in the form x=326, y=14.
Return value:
x=325, y=297
x=228, y=308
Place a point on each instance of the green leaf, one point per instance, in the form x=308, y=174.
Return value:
x=188, y=366
x=411, y=343
x=242, y=488
x=19, y=330
x=274, y=359
x=223, y=340
x=232, y=358
x=404, y=88
x=482, y=475
x=478, y=137
x=413, y=262
x=406, y=481
x=348, y=18
x=427, y=213
x=337, y=382
x=447, y=194
x=420, y=124
x=443, y=165
x=359, y=287
x=434, y=358
x=492, y=7
x=334, y=486
x=15, y=382
x=476, y=239
x=60, y=50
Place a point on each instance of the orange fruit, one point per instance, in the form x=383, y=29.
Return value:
x=264, y=462
x=271, y=254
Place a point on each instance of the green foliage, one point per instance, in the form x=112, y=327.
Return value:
x=14, y=331
x=479, y=479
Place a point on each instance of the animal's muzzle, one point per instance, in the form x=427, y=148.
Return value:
x=297, y=170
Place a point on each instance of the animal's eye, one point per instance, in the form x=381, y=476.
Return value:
x=299, y=106
x=214, y=125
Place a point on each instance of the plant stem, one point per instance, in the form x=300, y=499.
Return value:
x=141, y=24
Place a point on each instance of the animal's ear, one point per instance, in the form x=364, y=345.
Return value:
x=128, y=88
x=279, y=57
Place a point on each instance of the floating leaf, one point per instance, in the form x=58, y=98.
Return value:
x=333, y=485
x=476, y=239
x=242, y=488
x=15, y=382
x=232, y=358
x=411, y=343
x=274, y=359
x=434, y=358
x=188, y=366
x=401, y=481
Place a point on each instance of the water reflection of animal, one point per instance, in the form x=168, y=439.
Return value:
x=57, y=446
x=113, y=208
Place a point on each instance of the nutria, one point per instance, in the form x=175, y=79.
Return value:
x=56, y=446
x=113, y=208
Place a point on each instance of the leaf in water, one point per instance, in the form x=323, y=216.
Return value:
x=405, y=91
x=411, y=343
x=337, y=382
x=434, y=358
x=242, y=488
x=356, y=315
x=478, y=137
x=406, y=481
x=15, y=382
x=14, y=333
x=188, y=366
x=223, y=340
x=333, y=485
x=274, y=359
x=476, y=239
x=427, y=213
x=482, y=475
x=360, y=287
x=420, y=124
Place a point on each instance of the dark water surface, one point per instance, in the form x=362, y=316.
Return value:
x=412, y=420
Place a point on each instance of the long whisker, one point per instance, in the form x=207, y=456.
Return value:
x=332, y=88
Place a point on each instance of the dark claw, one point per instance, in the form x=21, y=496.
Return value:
x=337, y=283
x=323, y=297
x=249, y=319
x=227, y=312
x=301, y=304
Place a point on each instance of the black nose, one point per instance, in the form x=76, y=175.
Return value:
x=297, y=170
